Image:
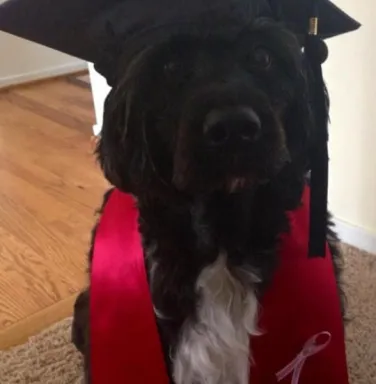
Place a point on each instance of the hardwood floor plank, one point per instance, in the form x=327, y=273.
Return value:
x=53, y=114
x=41, y=286
x=50, y=187
x=20, y=332
x=51, y=145
x=30, y=119
x=80, y=196
x=62, y=96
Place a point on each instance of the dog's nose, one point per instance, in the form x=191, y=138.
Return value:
x=241, y=124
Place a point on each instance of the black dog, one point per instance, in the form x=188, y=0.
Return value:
x=212, y=136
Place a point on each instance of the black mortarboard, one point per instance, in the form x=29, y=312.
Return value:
x=100, y=31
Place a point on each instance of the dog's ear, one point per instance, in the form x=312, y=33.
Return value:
x=114, y=149
x=121, y=150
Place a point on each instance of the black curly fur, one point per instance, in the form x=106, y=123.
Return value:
x=152, y=146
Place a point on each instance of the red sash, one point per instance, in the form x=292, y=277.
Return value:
x=304, y=338
x=303, y=341
x=125, y=346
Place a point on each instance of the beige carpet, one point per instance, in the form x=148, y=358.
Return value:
x=49, y=358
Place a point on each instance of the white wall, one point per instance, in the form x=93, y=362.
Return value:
x=23, y=61
x=100, y=90
x=351, y=78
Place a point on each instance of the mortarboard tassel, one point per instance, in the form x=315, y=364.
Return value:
x=316, y=53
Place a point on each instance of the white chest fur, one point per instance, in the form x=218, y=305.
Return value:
x=214, y=349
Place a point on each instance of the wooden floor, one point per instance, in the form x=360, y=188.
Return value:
x=49, y=189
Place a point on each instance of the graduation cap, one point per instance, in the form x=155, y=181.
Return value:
x=103, y=31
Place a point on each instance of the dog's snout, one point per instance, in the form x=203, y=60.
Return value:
x=240, y=124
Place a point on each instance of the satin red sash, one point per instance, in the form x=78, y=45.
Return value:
x=125, y=345
x=304, y=338
x=300, y=313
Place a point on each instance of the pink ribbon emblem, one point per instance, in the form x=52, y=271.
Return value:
x=311, y=347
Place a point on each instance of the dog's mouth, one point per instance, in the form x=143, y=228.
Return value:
x=236, y=184
x=227, y=176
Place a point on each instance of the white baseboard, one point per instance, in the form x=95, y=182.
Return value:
x=356, y=236
x=42, y=74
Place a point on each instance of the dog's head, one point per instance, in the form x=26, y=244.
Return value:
x=196, y=115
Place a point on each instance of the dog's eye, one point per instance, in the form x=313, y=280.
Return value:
x=258, y=58
x=262, y=57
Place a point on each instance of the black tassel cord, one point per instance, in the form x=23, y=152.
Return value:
x=316, y=54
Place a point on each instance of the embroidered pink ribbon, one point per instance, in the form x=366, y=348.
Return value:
x=311, y=347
